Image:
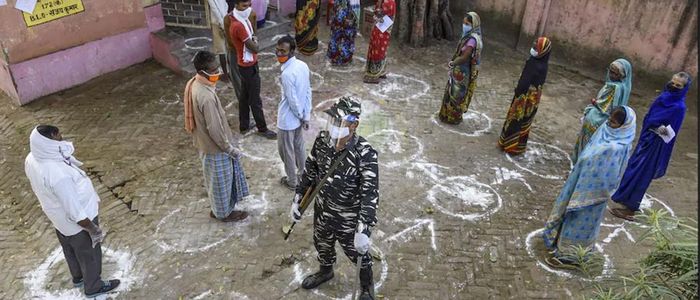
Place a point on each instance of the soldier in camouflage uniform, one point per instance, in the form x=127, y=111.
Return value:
x=345, y=207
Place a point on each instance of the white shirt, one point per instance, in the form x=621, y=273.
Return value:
x=65, y=193
x=218, y=9
x=295, y=105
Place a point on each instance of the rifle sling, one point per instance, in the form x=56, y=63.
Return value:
x=318, y=187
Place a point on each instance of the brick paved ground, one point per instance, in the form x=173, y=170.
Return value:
x=455, y=213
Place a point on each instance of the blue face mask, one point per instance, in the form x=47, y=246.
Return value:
x=466, y=29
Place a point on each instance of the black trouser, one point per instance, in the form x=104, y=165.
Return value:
x=250, y=98
x=83, y=261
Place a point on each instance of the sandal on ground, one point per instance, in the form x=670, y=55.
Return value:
x=236, y=215
x=556, y=263
x=622, y=213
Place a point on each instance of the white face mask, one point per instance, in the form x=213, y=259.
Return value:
x=243, y=14
x=533, y=52
x=66, y=148
x=339, y=132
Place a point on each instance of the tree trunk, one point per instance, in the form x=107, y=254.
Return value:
x=433, y=21
x=421, y=20
x=446, y=20
x=418, y=32
x=404, y=28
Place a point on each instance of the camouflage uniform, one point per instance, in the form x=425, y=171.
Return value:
x=350, y=195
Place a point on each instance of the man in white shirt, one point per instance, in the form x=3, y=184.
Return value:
x=294, y=111
x=218, y=9
x=70, y=201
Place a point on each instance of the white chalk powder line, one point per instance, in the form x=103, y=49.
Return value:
x=299, y=277
x=385, y=89
x=251, y=203
x=202, y=38
x=477, y=199
x=36, y=280
x=553, y=177
x=418, y=224
x=397, y=134
x=607, y=264
x=475, y=133
x=353, y=69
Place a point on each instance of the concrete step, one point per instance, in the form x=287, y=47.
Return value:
x=180, y=44
x=274, y=29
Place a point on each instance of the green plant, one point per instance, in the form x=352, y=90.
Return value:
x=670, y=271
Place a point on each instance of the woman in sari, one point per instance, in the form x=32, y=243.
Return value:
x=464, y=69
x=379, y=43
x=306, y=25
x=346, y=17
x=615, y=92
x=260, y=9
x=653, y=153
x=523, y=107
x=578, y=211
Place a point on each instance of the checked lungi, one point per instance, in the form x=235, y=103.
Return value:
x=225, y=182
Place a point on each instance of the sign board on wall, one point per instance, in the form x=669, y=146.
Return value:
x=49, y=10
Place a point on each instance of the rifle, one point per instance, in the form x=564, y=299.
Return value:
x=311, y=193
x=305, y=201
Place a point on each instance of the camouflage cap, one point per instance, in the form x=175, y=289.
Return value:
x=345, y=106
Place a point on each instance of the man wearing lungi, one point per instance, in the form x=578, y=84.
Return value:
x=206, y=121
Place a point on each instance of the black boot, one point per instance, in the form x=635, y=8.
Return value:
x=367, y=284
x=316, y=279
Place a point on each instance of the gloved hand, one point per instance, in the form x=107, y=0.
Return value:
x=294, y=214
x=234, y=153
x=362, y=243
x=96, y=234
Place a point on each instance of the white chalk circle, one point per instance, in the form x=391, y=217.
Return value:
x=465, y=198
x=259, y=148
x=175, y=100
x=342, y=288
x=317, y=81
x=356, y=65
x=227, y=295
x=400, y=87
x=198, y=43
x=268, y=61
x=395, y=148
x=200, y=232
x=648, y=202
x=115, y=265
x=537, y=253
x=543, y=160
x=474, y=123
x=369, y=108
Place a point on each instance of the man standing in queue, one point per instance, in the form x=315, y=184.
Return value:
x=345, y=207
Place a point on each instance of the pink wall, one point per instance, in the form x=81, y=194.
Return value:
x=654, y=35
x=101, y=18
x=48, y=71
x=6, y=84
x=63, y=69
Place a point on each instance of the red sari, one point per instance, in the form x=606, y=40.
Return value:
x=379, y=43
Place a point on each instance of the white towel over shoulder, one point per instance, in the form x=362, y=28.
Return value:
x=247, y=54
